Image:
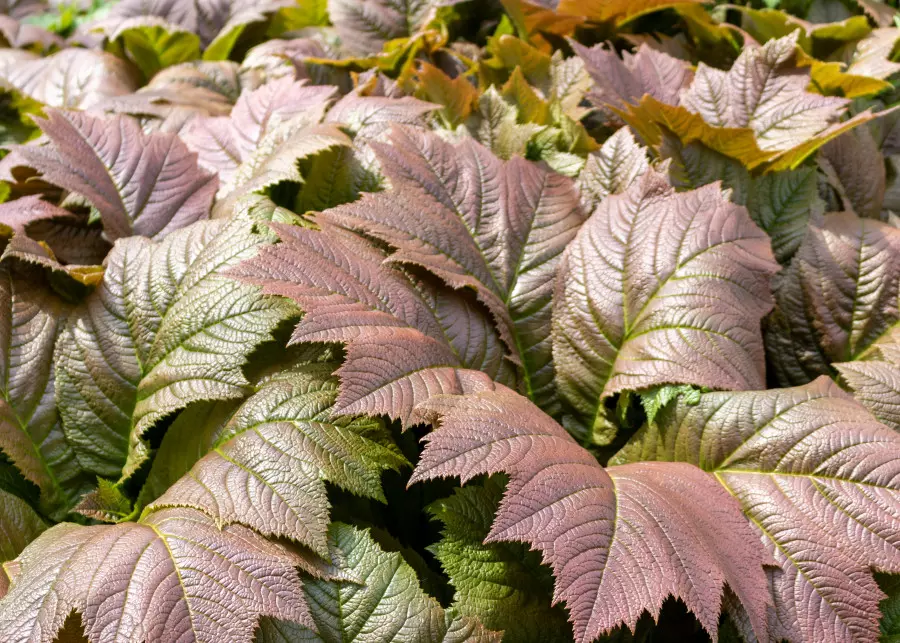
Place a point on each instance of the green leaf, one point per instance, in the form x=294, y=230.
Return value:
x=30, y=432
x=267, y=466
x=153, y=45
x=501, y=584
x=383, y=602
x=164, y=329
x=19, y=525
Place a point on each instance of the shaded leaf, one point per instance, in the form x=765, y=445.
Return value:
x=383, y=603
x=855, y=166
x=364, y=26
x=602, y=531
x=835, y=299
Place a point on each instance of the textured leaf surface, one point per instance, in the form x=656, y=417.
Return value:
x=30, y=433
x=19, y=525
x=267, y=468
x=501, y=584
x=72, y=78
x=475, y=221
x=637, y=532
x=816, y=476
x=174, y=576
x=612, y=170
x=147, y=185
x=383, y=602
x=405, y=340
x=222, y=143
x=856, y=169
x=660, y=287
x=836, y=298
x=364, y=26
x=163, y=329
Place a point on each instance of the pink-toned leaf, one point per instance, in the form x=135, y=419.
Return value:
x=817, y=476
x=660, y=287
x=141, y=184
x=478, y=222
x=405, y=340
x=619, y=540
x=174, y=576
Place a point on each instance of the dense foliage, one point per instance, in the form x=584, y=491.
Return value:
x=447, y=320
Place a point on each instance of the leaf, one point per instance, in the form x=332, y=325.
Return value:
x=618, y=11
x=364, y=26
x=405, y=339
x=855, y=166
x=458, y=96
x=164, y=329
x=223, y=143
x=19, y=525
x=814, y=474
x=658, y=288
x=836, y=298
x=141, y=184
x=385, y=603
x=72, y=78
x=500, y=584
x=783, y=204
x=613, y=169
x=477, y=222
x=619, y=82
x=876, y=385
x=637, y=532
x=30, y=433
x=268, y=466
x=153, y=44
x=173, y=576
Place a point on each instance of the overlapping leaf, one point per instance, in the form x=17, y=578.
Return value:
x=816, y=476
x=657, y=288
x=171, y=577
x=267, y=467
x=612, y=170
x=364, y=26
x=382, y=602
x=619, y=540
x=141, y=184
x=30, y=432
x=163, y=329
x=406, y=339
x=475, y=221
x=836, y=298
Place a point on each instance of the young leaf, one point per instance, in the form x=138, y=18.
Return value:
x=141, y=184
x=500, y=584
x=657, y=288
x=815, y=474
x=836, y=298
x=268, y=466
x=405, y=340
x=171, y=577
x=383, y=603
x=637, y=533
x=223, y=143
x=612, y=170
x=30, y=432
x=182, y=333
x=475, y=221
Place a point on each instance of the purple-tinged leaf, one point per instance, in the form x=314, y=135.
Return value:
x=660, y=287
x=174, y=576
x=855, y=168
x=835, y=299
x=478, y=222
x=612, y=170
x=364, y=26
x=817, y=476
x=405, y=340
x=148, y=185
x=637, y=533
